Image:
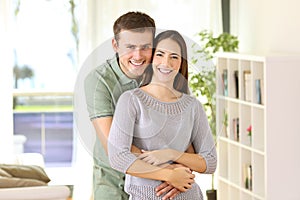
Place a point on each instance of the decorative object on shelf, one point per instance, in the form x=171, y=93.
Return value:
x=225, y=123
x=203, y=82
x=247, y=173
x=249, y=130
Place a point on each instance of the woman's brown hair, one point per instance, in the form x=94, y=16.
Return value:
x=181, y=79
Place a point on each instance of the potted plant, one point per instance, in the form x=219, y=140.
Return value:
x=203, y=82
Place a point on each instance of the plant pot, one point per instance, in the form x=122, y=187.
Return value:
x=211, y=194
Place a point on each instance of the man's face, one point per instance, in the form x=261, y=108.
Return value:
x=135, y=51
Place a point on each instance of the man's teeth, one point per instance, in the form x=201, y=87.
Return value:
x=136, y=63
x=165, y=71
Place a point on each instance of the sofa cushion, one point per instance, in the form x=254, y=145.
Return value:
x=4, y=173
x=26, y=172
x=11, y=182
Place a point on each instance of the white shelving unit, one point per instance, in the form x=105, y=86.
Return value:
x=273, y=149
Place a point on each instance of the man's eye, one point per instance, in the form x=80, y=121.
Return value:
x=175, y=57
x=145, y=47
x=132, y=47
x=159, y=54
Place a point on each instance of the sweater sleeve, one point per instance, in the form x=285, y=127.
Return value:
x=121, y=134
x=202, y=139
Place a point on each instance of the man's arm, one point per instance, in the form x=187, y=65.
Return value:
x=102, y=126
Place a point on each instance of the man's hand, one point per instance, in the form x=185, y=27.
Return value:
x=170, y=191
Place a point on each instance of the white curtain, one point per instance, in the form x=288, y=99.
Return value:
x=6, y=87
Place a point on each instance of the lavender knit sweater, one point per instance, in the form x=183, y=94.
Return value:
x=150, y=124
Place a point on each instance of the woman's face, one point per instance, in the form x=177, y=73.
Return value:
x=166, y=61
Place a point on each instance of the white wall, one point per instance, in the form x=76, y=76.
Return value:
x=266, y=26
x=6, y=74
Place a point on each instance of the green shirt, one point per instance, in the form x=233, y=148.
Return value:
x=103, y=87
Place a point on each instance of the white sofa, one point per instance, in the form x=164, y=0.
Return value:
x=35, y=193
x=48, y=192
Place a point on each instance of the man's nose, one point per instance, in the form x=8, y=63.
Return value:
x=137, y=53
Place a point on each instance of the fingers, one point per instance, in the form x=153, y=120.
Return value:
x=164, y=190
x=171, y=194
x=167, y=189
x=161, y=186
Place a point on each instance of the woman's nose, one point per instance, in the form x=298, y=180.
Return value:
x=166, y=61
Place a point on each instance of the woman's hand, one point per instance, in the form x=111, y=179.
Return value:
x=158, y=157
x=181, y=178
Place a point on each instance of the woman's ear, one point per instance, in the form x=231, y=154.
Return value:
x=114, y=43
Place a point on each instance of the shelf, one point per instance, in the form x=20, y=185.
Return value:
x=229, y=141
x=258, y=93
x=235, y=100
x=227, y=183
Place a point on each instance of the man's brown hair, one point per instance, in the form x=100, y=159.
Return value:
x=133, y=21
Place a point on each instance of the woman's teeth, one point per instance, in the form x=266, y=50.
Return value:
x=165, y=71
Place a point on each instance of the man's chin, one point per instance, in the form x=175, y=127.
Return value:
x=137, y=73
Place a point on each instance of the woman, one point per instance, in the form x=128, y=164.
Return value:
x=169, y=125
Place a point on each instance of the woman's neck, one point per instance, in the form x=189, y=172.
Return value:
x=162, y=92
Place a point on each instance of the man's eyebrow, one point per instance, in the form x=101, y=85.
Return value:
x=129, y=44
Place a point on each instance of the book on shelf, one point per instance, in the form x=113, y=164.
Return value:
x=235, y=128
x=225, y=82
x=236, y=83
x=247, y=85
x=258, y=91
x=262, y=91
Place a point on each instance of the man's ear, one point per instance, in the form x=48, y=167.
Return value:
x=114, y=44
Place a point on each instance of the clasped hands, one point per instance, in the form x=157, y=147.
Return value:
x=179, y=180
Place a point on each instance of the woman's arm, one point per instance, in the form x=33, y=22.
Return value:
x=181, y=177
x=193, y=161
x=122, y=159
x=200, y=156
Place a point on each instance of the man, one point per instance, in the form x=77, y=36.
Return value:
x=133, y=40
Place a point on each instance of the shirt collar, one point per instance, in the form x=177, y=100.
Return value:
x=122, y=77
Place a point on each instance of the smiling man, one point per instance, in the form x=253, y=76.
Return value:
x=132, y=43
